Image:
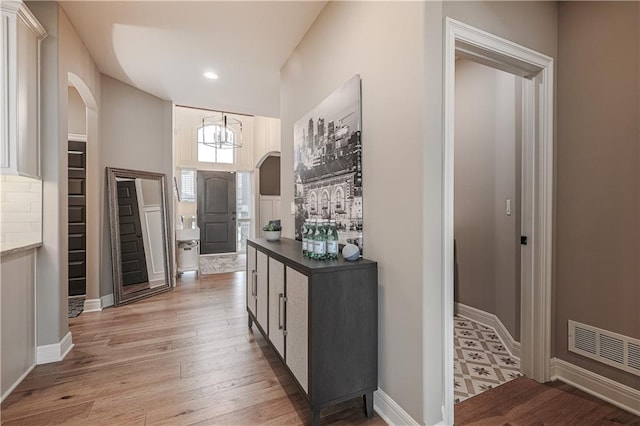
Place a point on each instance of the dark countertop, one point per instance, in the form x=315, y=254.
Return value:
x=290, y=251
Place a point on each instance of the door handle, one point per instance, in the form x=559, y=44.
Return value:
x=254, y=286
x=281, y=301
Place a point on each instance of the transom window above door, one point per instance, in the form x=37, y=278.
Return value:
x=210, y=153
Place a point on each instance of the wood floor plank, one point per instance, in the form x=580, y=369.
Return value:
x=181, y=357
x=525, y=402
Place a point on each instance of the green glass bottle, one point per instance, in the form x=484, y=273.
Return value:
x=305, y=229
x=319, y=241
x=310, y=235
x=332, y=241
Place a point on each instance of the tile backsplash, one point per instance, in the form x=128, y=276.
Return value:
x=20, y=211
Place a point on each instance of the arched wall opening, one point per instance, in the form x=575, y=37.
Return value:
x=268, y=189
x=92, y=190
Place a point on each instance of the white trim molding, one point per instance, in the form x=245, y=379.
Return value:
x=390, y=411
x=15, y=385
x=92, y=305
x=107, y=301
x=599, y=386
x=491, y=320
x=55, y=352
x=537, y=191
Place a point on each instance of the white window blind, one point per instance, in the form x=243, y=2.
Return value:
x=188, y=185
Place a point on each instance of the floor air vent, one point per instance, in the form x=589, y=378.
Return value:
x=605, y=346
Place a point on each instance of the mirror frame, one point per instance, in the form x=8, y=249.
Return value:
x=112, y=192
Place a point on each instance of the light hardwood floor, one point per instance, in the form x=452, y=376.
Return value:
x=183, y=357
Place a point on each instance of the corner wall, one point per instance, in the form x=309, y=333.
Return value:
x=62, y=52
x=384, y=43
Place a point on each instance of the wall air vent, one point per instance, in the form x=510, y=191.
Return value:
x=610, y=348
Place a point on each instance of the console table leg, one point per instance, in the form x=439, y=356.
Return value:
x=368, y=404
x=250, y=320
x=315, y=418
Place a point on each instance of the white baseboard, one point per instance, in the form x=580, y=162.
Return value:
x=390, y=411
x=601, y=387
x=490, y=320
x=55, y=352
x=92, y=305
x=107, y=301
x=15, y=385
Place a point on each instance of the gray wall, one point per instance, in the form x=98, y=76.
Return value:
x=346, y=39
x=17, y=317
x=402, y=157
x=487, y=166
x=598, y=180
x=135, y=133
x=52, y=275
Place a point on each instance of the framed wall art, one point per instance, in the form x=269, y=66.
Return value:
x=328, y=163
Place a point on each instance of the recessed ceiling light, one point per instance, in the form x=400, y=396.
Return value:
x=211, y=75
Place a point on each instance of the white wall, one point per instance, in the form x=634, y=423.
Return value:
x=136, y=132
x=77, y=113
x=20, y=211
x=383, y=42
x=266, y=137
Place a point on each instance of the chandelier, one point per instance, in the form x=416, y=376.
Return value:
x=221, y=132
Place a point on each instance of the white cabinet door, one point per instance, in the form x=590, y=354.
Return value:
x=251, y=276
x=276, y=305
x=262, y=261
x=297, y=320
x=19, y=91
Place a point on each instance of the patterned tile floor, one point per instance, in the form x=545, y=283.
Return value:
x=481, y=360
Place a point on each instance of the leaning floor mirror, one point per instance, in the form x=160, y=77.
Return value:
x=139, y=234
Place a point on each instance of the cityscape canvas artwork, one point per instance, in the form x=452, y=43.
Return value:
x=328, y=163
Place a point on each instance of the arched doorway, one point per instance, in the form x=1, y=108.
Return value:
x=84, y=251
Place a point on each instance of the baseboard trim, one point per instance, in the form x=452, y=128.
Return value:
x=46, y=354
x=390, y=411
x=92, y=305
x=490, y=320
x=15, y=385
x=107, y=301
x=599, y=386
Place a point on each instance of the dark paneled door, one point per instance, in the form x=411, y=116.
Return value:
x=133, y=261
x=77, y=157
x=217, y=212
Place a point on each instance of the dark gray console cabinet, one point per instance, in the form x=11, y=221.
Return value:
x=321, y=317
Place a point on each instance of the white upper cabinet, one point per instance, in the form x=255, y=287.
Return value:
x=20, y=90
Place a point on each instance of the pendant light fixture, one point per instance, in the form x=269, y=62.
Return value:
x=221, y=132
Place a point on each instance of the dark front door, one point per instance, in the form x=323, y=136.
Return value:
x=217, y=212
x=77, y=156
x=133, y=264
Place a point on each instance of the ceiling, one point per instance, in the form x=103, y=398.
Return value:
x=164, y=47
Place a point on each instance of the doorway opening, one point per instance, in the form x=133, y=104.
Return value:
x=487, y=228
x=464, y=41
